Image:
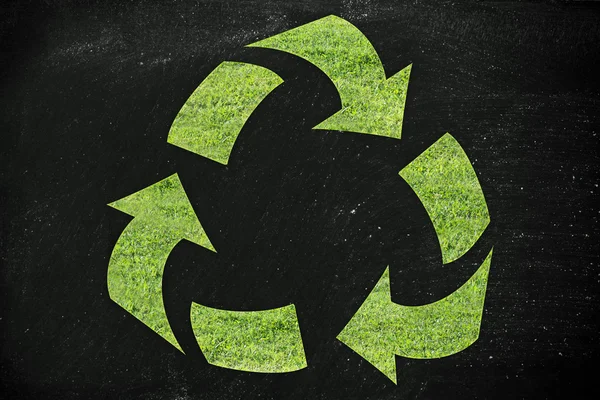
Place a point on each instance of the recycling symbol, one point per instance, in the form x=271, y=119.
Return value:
x=270, y=341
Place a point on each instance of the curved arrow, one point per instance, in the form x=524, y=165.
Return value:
x=370, y=103
x=163, y=216
x=211, y=119
x=447, y=185
x=255, y=341
x=380, y=329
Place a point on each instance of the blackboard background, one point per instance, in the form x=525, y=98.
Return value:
x=90, y=91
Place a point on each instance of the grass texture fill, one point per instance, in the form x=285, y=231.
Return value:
x=163, y=216
x=213, y=116
x=380, y=329
x=257, y=341
x=370, y=103
x=269, y=340
x=446, y=183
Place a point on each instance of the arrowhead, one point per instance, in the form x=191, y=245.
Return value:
x=165, y=206
x=380, y=329
x=370, y=332
x=370, y=103
x=379, y=111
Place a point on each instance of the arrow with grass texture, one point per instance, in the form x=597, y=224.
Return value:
x=381, y=329
x=256, y=341
x=163, y=216
x=445, y=182
x=371, y=103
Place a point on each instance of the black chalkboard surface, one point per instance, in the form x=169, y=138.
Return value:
x=89, y=92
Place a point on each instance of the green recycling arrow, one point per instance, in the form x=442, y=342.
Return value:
x=370, y=103
x=211, y=119
x=163, y=216
x=381, y=329
x=257, y=341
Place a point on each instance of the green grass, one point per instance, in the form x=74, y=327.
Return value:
x=370, y=103
x=163, y=216
x=257, y=341
x=381, y=329
x=269, y=340
x=444, y=180
x=211, y=119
